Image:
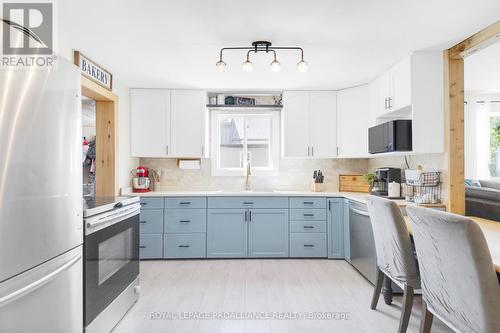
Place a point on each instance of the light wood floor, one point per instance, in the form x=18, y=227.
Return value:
x=273, y=285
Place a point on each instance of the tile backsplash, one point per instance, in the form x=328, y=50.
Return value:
x=294, y=174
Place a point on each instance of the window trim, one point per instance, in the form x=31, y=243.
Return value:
x=215, y=137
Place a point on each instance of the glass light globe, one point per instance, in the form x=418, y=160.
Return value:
x=275, y=66
x=302, y=66
x=221, y=66
x=248, y=66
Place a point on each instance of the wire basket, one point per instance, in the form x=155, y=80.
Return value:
x=425, y=188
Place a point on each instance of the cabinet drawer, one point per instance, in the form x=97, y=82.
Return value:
x=248, y=202
x=185, y=246
x=307, y=202
x=151, y=203
x=151, y=246
x=308, y=245
x=307, y=226
x=186, y=202
x=307, y=214
x=151, y=221
x=185, y=220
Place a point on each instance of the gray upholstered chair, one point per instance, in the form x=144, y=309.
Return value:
x=395, y=256
x=459, y=283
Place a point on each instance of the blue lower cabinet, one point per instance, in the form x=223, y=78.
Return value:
x=347, y=240
x=308, y=245
x=308, y=226
x=335, y=219
x=184, y=245
x=151, y=221
x=267, y=232
x=151, y=246
x=185, y=220
x=227, y=233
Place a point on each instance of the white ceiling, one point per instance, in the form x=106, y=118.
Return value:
x=175, y=43
x=482, y=70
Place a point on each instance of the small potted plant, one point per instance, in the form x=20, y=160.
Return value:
x=371, y=178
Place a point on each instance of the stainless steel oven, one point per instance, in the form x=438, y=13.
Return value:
x=111, y=263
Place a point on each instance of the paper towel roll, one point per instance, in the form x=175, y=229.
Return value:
x=394, y=190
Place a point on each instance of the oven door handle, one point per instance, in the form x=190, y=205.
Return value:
x=38, y=283
x=122, y=214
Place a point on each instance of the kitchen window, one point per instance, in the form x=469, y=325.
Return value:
x=241, y=136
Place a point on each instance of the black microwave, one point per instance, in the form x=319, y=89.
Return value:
x=391, y=136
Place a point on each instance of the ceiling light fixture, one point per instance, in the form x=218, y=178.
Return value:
x=263, y=46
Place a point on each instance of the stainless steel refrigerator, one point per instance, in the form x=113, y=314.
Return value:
x=41, y=200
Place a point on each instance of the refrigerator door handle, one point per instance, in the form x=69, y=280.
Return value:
x=40, y=282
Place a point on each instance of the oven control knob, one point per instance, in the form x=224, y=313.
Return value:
x=137, y=289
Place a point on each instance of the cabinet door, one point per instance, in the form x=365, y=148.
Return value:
x=384, y=83
x=150, y=122
x=401, y=85
x=188, y=123
x=268, y=233
x=352, y=122
x=335, y=228
x=295, y=124
x=226, y=233
x=323, y=124
x=347, y=240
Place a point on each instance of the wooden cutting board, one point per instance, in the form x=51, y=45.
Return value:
x=353, y=183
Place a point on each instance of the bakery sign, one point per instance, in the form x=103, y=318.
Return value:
x=93, y=71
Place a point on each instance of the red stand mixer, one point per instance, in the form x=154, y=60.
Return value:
x=141, y=182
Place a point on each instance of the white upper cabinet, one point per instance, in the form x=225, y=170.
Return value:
x=149, y=119
x=413, y=89
x=309, y=124
x=188, y=115
x=167, y=123
x=323, y=123
x=400, y=92
x=352, y=122
x=295, y=124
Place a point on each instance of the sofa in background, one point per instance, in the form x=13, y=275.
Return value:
x=482, y=199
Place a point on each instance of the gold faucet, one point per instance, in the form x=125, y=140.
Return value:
x=248, y=173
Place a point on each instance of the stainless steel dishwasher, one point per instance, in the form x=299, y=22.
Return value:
x=363, y=254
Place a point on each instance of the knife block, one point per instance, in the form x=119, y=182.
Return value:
x=317, y=187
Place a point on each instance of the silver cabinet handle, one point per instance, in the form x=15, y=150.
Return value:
x=167, y=149
x=248, y=202
x=308, y=227
x=250, y=216
x=38, y=283
x=389, y=103
x=183, y=245
x=184, y=221
x=202, y=150
x=308, y=215
x=185, y=203
x=308, y=245
x=308, y=203
x=142, y=246
x=143, y=222
x=246, y=216
x=308, y=151
x=312, y=150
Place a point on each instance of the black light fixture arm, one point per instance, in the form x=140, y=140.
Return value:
x=261, y=46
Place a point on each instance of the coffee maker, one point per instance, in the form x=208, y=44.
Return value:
x=385, y=176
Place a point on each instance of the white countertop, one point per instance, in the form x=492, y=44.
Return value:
x=359, y=197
